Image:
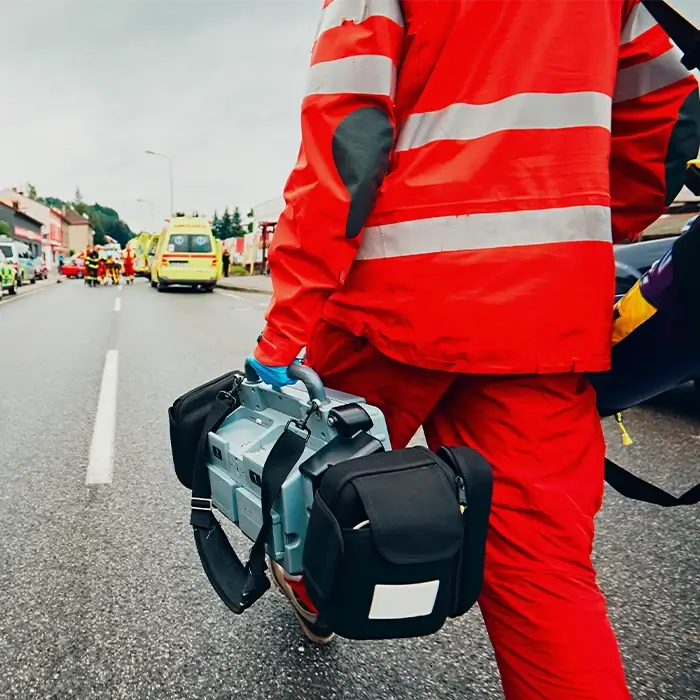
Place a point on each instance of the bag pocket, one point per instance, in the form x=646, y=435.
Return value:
x=394, y=573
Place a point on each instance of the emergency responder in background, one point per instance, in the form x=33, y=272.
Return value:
x=430, y=219
x=129, y=261
x=92, y=261
x=225, y=261
x=113, y=268
x=102, y=267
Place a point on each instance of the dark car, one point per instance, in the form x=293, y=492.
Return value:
x=632, y=260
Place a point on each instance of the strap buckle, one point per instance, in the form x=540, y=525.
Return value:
x=303, y=425
x=201, y=504
x=224, y=395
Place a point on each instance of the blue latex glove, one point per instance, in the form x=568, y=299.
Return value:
x=275, y=376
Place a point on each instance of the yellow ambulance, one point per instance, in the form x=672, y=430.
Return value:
x=151, y=253
x=186, y=253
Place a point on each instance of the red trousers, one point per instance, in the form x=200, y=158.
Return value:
x=543, y=610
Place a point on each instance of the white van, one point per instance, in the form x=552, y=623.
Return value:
x=20, y=256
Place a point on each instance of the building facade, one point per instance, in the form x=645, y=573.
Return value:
x=77, y=232
x=22, y=228
x=52, y=243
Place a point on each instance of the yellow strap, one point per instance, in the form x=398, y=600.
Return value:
x=626, y=439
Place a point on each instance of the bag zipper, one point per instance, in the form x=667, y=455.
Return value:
x=461, y=492
x=463, y=489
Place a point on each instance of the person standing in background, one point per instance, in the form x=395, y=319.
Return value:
x=225, y=260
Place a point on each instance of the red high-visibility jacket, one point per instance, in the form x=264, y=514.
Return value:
x=464, y=171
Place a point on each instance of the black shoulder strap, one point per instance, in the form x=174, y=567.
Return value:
x=238, y=585
x=684, y=34
x=631, y=486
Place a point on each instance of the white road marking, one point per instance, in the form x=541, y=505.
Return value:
x=101, y=462
x=263, y=303
x=117, y=304
x=232, y=296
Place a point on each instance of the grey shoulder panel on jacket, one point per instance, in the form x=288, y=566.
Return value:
x=362, y=145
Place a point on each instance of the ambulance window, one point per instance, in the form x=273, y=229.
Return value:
x=189, y=243
x=200, y=244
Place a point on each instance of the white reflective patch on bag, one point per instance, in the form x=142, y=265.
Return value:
x=397, y=602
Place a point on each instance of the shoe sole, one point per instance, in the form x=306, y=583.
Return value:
x=303, y=623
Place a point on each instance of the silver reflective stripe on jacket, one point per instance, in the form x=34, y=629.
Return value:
x=484, y=231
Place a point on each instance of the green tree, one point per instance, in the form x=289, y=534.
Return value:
x=77, y=197
x=105, y=221
x=226, y=225
x=31, y=192
x=82, y=208
x=216, y=225
x=52, y=202
x=4, y=229
x=237, y=230
x=251, y=221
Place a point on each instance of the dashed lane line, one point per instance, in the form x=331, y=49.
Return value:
x=101, y=460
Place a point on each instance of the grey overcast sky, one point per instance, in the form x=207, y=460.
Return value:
x=88, y=85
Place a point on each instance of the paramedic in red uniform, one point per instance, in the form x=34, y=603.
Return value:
x=446, y=252
x=129, y=257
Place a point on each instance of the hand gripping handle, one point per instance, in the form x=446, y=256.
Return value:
x=304, y=374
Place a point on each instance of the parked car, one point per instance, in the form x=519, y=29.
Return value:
x=21, y=257
x=42, y=271
x=689, y=223
x=8, y=276
x=74, y=268
x=632, y=260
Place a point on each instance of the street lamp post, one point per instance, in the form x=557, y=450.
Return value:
x=150, y=203
x=170, y=166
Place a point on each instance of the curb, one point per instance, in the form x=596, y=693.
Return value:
x=248, y=290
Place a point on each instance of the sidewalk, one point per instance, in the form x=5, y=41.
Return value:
x=256, y=284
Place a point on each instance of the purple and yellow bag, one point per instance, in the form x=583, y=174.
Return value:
x=656, y=331
x=656, y=347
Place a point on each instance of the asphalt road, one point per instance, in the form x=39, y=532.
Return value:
x=102, y=593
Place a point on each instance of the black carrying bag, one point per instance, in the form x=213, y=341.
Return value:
x=396, y=541
x=192, y=412
x=414, y=502
x=192, y=417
